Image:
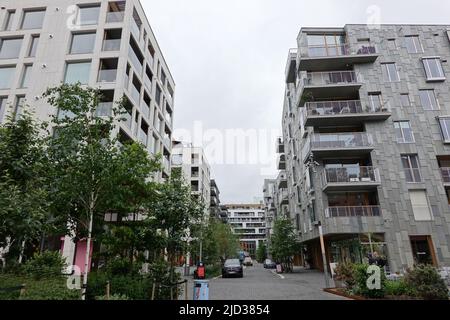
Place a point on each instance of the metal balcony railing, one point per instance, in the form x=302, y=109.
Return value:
x=355, y=174
x=445, y=172
x=330, y=78
x=332, y=108
x=359, y=211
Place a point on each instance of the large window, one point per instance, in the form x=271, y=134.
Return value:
x=26, y=75
x=6, y=76
x=78, y=72
x=33, y=19
x=403, y=132
x=390, y=72
x=410, y=164
x=9, y=20
x=405, y=100
x=82, y=43
x=326, y=45
x=445, y=128
x=33, y=46
x=433, y=69
x=413, y=44
x=88, y=15
x=428, y=100
x=375, y=101
x=419, y=202
x=158, y=95
x=10, y=48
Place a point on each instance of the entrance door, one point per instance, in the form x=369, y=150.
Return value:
x=423, y=250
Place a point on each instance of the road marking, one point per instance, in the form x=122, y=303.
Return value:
x=217, y=277
x=280, y=275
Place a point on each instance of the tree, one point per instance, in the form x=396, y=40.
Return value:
x=261, y=253
x=90, y=174
x=23, y=193
x=284, y=242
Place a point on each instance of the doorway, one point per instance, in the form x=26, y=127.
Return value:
x=423, y=250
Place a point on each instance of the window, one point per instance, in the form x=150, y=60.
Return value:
x=10, y=48
x=77, y=72
x=20, y=102
x=411, y=167
x=413, y=44
x=405, y=101
x=158, y=95
x=2, y=107
x=163, y=77
x=419, y=202
x=33, y=19
x=433, y=69
x=6, y=75
x=33, y=46
x=9, y=20
x=403, y=132
x=390, y=72
x=445, y=128
x=392, y=44
x=88, y=15
x=375, y=101
x=82, y=43
x=428, y=100
x=26, y=76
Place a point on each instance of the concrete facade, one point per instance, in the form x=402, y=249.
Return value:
x=343, y=104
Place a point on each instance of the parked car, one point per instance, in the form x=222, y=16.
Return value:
x=248, y=262
x=232, y=267
x=269, y=264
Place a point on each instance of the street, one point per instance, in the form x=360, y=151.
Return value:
x=262, y=284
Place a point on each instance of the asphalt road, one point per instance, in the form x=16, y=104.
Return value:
x=262, y=284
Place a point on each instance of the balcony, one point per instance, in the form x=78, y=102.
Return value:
x=280, y=145
x=128, y=119
x=166, y=167
x=111, y=44
x=291, y=66
x=135, y=94
x=282, y=180
x=321, y=57
x=107, y=75
x=445, y=173
x=135, y=60
x=350, y=179
x=284, y=196
x=143, y=137
x=344, y=112
x=281, y=162
x=359, y=211
x=322, y=85
x=104, y=109
x=338, y=144
x=115, y=17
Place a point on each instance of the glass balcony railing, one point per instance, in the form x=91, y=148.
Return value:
x=167, y=140
x=115, y=17
x=359, y=211
x=339, y=50
x=135, y=94
x=143, y=137
x=166, y=166
x=128, y=121
x=104, y=109
x=445, y=172
x=111, y=44
x=107, y=75
x=148, y=83
x=350, y=174
x=135, y=30
x=135, y=60
x=330, y=78
x=341, y=140
x=145, y=110
x=332, y=108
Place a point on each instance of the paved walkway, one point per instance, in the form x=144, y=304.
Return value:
x=262, y=284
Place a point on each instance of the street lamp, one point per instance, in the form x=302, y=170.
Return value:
x=311, y=164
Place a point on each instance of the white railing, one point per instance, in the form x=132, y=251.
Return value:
x=359, y=211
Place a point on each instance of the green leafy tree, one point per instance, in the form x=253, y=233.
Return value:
x=261, y=253
x=90, y=174
x=284, y=243
x=23, y=193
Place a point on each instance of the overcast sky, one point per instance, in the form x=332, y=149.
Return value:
x=228, y=59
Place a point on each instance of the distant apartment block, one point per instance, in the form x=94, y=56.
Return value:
x=366, y=138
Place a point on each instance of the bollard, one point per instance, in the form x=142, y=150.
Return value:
x=108, y=289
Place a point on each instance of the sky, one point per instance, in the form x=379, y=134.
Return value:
x=228, y=59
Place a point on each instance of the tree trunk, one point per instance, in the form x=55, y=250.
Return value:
x=88, y=252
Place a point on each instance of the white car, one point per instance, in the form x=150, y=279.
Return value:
x=248, y=262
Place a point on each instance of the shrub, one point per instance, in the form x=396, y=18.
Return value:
x=361, y=278
x=426, y=283
x=45, y=265
x=213, y=270
x=114, y=297
x=398, y=288
x=346, y=272
x=135, y=287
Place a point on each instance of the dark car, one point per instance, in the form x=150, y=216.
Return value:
x=232, y=268
x=269, y=264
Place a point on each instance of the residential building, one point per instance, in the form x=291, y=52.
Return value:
x=270, y=211
x=103, y=44
x=248, y=222
x=214, y=208
x=195, y=169
x=365, y=122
